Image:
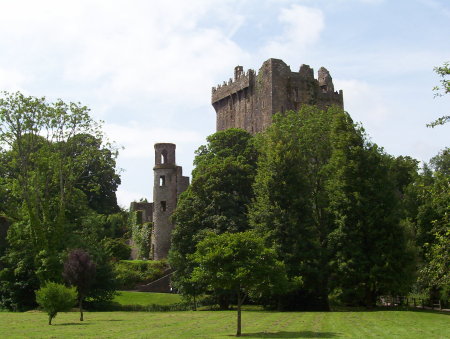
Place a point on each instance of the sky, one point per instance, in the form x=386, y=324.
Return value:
x=146, y=68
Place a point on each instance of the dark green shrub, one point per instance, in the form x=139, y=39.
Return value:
x=130, y=273
x=117, y=248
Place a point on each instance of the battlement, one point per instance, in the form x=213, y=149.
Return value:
x=250, y=100
x=241, y=80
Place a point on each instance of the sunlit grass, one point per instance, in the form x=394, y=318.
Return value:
x=144, y=298
x=221, y=324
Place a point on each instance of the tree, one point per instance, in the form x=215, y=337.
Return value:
x=54, y=298
x=217, y=200
x=55, y=167
x=79, y=271
x=369, y=252
x=434, y=225
x=44, y=175
x=98, y=178
x=444, y=88
x=238, y=262
x=329, y=202
x=291, y=201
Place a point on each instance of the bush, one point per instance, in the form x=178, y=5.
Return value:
x=130, y=273
x=54, y=298
x=117, y=248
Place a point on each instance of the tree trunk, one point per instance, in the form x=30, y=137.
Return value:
x=50, y=319
x=239, y=303
x=223, y=301
x=81, y=309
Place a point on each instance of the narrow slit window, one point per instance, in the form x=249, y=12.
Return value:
x=162, y=180
x=163, y=206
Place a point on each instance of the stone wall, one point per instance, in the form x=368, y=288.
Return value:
x=250, y=100
x=169, y=183
x=145, y=207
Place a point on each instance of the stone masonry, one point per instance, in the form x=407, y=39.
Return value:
x=249, y=100
x=169, y=183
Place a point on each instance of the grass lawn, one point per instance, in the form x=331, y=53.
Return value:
x=143, y=298
x=221, y=324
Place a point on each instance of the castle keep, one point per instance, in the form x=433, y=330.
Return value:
x=249, y=100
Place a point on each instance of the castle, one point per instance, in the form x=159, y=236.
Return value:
x=248, y=101
x=168, y=184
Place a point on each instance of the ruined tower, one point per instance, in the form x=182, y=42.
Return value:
x=249, y=100
x=169, y=183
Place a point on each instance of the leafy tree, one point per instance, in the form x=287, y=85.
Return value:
x=79, y=271
x=329, y=201
x=54, y=169
x=291, y=200
x=444, y=88
x=4, y=225
x=45, y=177
x=18, y=280
x=98, y=178
x=216, y=200
x=369, y=244
x=54, y=298
x=433, y=225
x=238, y=262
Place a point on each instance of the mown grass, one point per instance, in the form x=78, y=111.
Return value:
x=221, y=324
x=144, y=298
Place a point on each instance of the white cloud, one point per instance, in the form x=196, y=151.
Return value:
x=124, y=198
x=364, y=102
x=138, y=138
x=13, y=80
x=302, y=28
x=137, y=157
x=124, y=50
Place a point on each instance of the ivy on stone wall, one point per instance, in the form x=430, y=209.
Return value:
x=141, y=234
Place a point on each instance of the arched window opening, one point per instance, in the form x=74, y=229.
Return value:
x=163, y=206
x=164, y=157
x=162, y=180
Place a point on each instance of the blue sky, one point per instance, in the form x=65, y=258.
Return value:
x=147, y=67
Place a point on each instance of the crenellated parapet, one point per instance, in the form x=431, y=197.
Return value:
x=241, y=80
x=250, y=99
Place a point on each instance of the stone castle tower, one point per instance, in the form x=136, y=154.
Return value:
x=249, y=100
x=169, y=183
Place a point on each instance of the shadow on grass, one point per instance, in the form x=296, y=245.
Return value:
x=71, y=324
x=284, y=334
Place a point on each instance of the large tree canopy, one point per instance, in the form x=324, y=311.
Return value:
x=216, y=200
x=240, y=263
x=326, y=198
x=433, y=227
x=58, y=172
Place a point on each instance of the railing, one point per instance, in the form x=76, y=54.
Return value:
x=388, y=300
